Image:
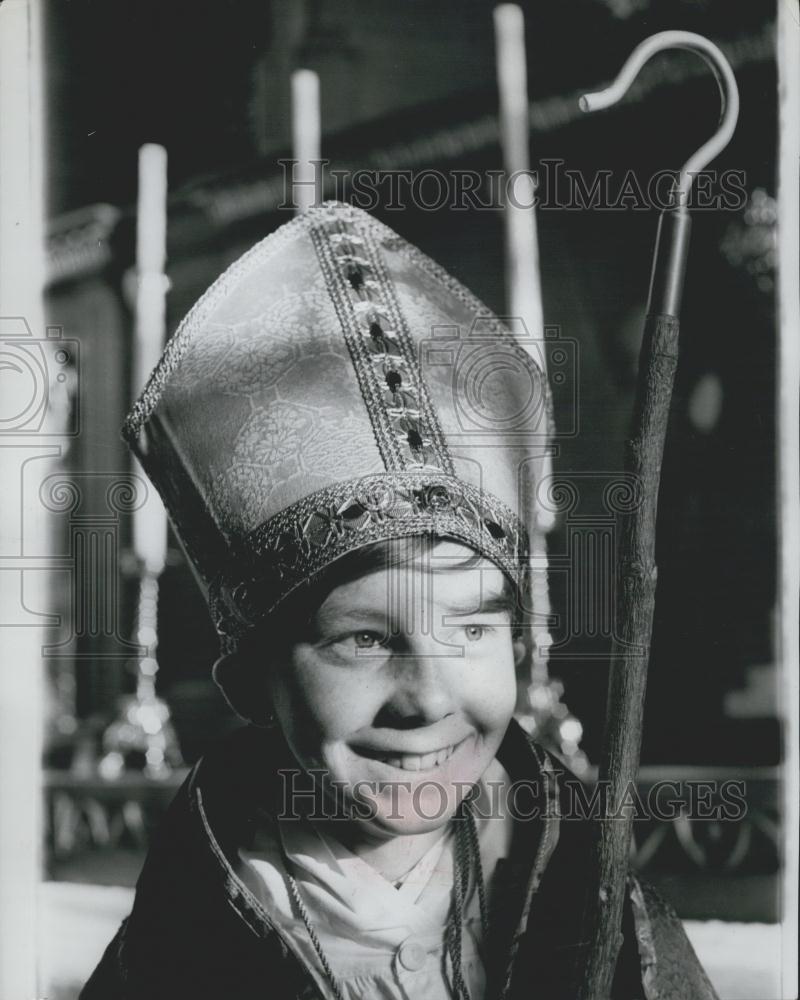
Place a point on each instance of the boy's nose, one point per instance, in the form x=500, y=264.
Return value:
x=421, y=694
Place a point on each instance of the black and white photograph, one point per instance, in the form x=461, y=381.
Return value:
x=400, y=477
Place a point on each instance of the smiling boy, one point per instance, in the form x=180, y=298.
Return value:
x=410, y=702
x=395, y=684
x=357, y=502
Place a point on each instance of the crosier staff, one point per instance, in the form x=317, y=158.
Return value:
x=636, y=575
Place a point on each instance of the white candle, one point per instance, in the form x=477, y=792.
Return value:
x=151, y=255
x=522, y=246
x=306, y=141
x=150, y=520
x=522, y=258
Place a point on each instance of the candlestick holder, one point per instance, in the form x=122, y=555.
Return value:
x=142, y=737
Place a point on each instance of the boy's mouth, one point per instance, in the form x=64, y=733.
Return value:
x=410, y=761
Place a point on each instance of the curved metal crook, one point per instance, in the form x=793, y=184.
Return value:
x=726, y=81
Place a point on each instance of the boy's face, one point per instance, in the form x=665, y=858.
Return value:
x=403, y=686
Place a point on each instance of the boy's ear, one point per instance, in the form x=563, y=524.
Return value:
x=244, y=687
x=520, y=648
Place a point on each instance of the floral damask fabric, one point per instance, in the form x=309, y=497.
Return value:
x=282, y=444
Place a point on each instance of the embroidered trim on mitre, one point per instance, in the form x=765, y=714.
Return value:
x=295, y=544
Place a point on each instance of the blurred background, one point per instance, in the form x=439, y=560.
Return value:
x=412, y=87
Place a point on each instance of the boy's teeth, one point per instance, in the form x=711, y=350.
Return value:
x=442, y=755
x=420, y=762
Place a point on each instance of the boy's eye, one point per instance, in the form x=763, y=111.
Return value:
x=348, y=645
x=366, y=640
x=474, y=632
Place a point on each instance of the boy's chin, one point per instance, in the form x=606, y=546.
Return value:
x=390, y=825
x=407, y=815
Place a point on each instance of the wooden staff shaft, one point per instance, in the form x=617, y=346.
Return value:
x=628, y=675
x=635, y=603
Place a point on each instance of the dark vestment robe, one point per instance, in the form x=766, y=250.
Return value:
x=197, y=932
